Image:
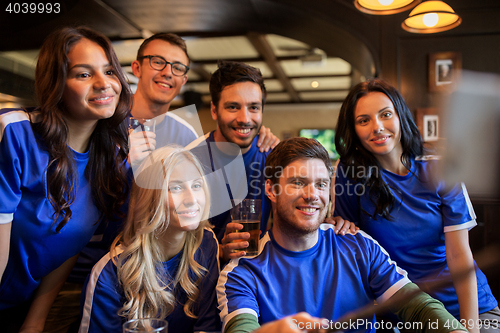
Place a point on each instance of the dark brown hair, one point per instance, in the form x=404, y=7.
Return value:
x=108, y=146
x=231, y=72
x=166, y=37
x=293, y=149
x=354, y=155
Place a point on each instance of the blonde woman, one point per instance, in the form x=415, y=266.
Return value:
x=165, y=262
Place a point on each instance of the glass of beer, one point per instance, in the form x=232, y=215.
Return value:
x=247, y=213
x=145, y=325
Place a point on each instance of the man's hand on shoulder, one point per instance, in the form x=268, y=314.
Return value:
x=267, y=140
x=342, y=226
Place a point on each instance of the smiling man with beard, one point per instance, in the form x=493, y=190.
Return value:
x=303, y=266
x=238, y=97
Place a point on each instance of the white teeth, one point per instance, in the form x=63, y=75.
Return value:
x=164, y=85
x=308, y=210
x=193, y=213
x=101, y=99
x=243, y=130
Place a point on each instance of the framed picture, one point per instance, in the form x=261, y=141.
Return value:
x=444, y=71
x=427, y=120
x=431, y=128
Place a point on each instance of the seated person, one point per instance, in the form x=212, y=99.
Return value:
x=302, y=266
x=165, y=262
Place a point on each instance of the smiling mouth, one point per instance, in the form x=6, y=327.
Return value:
x=164, y=85
x=188, y=213
x=243, y=130
x=380, y=139
x=308, y=209
x=101, y=99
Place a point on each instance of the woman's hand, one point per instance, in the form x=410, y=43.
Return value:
x=342, y=226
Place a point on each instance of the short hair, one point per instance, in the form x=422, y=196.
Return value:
x=293, y=149
x=231, y=72
x=166, y=37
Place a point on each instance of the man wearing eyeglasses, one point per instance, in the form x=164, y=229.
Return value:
x=162, y=67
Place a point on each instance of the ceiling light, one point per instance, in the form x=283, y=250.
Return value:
x=430, y=17
x=315, y=84
x=385, y=7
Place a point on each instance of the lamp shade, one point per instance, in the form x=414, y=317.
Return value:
x=385, y=7
x=430, y=17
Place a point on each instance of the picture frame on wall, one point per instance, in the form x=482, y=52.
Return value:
x=428, y=124
x=444, y=71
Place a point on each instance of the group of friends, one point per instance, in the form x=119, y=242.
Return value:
x=86, y=244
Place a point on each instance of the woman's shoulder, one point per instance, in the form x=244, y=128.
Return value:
x=18, y=120
x=209, y=238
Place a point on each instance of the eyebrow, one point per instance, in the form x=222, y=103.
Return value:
x=379, y=111
x=88, y=66
x=182, y=182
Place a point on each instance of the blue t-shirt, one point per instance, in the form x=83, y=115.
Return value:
x=36, y=249
x=104, y=295
x=424, y=210
x=338, y=275
x=254, y=162
x=171, y=130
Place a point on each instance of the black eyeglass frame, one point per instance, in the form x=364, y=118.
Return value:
x=166, y=63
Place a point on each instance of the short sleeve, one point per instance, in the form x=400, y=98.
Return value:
x=386, y=278
x=11, y=155
x=234, y=292
x=101, y=300
x=457, y=210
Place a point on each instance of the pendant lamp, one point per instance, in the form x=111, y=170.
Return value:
x=385, y=7
x=431, y=17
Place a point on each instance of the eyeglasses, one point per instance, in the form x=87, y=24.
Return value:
x=159, y=64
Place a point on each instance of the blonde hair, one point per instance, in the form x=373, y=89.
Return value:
x=148, y=293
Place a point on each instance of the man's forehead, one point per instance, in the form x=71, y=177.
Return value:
x=165, y=49
x=306, y=167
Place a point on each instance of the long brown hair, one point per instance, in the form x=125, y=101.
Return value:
x=108, y=150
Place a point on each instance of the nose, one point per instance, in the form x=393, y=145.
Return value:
x=311, y=193
x=244, y=116
x=188, y=198
x=378, y=126
x=167, y=71
x=102, y=82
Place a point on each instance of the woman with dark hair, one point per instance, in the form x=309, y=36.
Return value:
x=63, y=170
x=386, y=184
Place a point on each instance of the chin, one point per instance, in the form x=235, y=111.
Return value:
x=188, y=225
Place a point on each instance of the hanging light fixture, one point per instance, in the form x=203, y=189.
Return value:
x=430, y=17
x=385, y=7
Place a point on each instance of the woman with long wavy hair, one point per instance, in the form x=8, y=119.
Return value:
x=164, y=263
x=62, y=170
x=386, y=183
